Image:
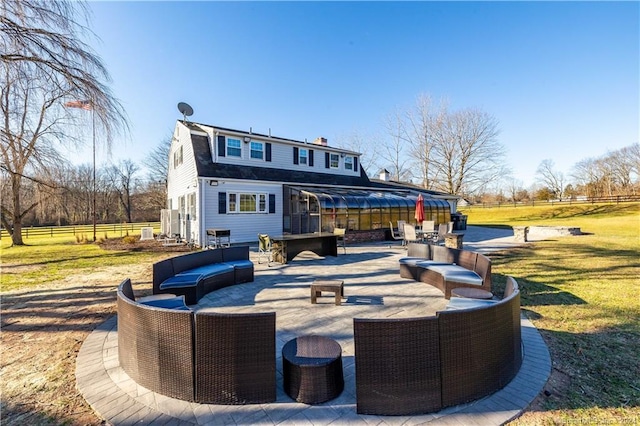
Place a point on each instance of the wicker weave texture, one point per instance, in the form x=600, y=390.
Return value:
x=397, y=366
x=478, y=350
x=235, y=359
x=312, y=369
x=155, y=347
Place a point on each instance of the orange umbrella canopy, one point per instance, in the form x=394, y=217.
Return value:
x=419, y=216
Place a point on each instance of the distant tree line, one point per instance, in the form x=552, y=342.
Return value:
x=458, y=152
x=64, y=194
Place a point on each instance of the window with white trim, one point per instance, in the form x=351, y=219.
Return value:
x=257, y=150
x=191, y=205
x=348, y=162
x=234, y=147
x=302, y=156
x=247, y=203
x=177, y=157
x=334, y=161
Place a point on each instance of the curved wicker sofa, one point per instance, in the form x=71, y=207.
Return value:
x=199, y=356
x=446, y=268
x=193, y=275
x=415, y=366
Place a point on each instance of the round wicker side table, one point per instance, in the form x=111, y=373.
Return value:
x=312, y=369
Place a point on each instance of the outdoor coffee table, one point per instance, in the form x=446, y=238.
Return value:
x=312, y=369
x=336, y=286
x=471, y=293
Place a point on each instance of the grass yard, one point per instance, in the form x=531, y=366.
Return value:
x=583, y=294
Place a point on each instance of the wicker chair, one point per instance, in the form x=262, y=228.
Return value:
x=155, y=346
x=480, y=349
x=397, y=366
x=235, y=358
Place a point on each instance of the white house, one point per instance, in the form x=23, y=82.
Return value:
x=253, y=183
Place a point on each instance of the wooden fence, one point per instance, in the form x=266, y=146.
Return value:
x=596, y=200
x=111, y=229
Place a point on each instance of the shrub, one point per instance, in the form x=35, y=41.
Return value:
x=130, y=239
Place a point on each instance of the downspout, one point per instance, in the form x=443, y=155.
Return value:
x=201, y=203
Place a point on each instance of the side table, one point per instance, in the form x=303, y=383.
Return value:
x=336, y=286
x=312, y=369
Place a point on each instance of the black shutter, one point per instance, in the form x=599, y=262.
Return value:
x=268, y=151
x=326, y=160
x=221, y=146
x=295, y=155
x=310, y=158
x=355, y=164
x=222, y=202
x=272, y=203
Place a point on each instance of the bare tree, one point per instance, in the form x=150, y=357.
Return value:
x=394, y=150
x=44, y=63
x=421, y=129
x=467, y=155
x=551, y=178
x=123, y=180
x=358, y=141
x=157, y=163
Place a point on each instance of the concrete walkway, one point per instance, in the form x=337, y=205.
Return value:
x=369, y=270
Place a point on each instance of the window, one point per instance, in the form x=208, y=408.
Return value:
x=257, y=150
x=177, y=157
x=334, y=161
x=247, y=203
x=348, y=163
x=302, y=159
x=191, y=205
x=234, y=147
x=181, y=206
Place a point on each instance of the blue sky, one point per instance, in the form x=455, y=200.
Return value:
x=561, y=78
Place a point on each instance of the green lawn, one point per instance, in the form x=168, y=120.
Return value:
x=583, y=294
x=47, y=259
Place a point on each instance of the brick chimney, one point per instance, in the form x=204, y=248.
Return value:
x=320, y=141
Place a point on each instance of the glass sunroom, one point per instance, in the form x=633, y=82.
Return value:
x=323, y=209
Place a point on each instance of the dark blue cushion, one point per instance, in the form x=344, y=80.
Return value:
x=209, y=270
x=174, y=303
x=181, y=280
x=240, y=264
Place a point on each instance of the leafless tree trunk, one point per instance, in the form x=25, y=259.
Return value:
x=122, y=177
x=467, y=155
x=551, y=178
x=393, y=151
x=44, y=63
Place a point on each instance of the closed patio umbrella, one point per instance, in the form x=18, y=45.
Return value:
x=419, y=216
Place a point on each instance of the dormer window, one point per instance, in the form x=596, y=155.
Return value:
x=348, y=163
x=234, y=147
x=334, y=161
x=257, y=150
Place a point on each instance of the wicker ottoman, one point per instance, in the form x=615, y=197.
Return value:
x=312, y=369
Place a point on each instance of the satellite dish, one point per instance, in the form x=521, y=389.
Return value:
x=185, y=109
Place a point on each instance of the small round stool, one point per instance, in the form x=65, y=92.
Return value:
x=312, y=369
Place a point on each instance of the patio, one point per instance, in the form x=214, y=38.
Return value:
x=373, y=289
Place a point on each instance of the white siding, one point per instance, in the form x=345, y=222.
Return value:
x=282, y=155
x=244, y=227
x=182, y=179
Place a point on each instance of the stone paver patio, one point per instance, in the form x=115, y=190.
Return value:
x=373, y=288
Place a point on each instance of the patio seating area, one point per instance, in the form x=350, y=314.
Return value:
x=373, y=288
